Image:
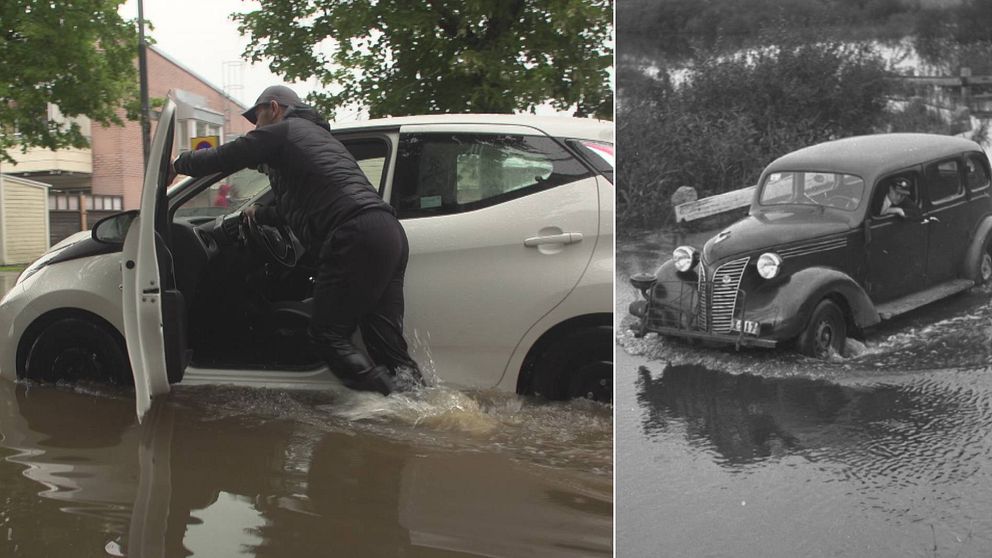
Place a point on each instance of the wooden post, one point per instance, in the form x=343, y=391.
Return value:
x=82, y=212
x=966, y=86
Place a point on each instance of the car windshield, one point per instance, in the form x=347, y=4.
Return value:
x=825, y=189
x=226, y=195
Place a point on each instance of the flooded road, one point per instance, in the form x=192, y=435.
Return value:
x=224, y=471
x=756, y=453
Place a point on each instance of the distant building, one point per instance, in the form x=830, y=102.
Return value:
x=108, y=175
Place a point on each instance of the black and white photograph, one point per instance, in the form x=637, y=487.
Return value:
x=804, y=259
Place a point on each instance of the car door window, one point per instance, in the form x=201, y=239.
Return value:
x=976, y=175
x=442, y=173
x=371, y=154
x=944, y=181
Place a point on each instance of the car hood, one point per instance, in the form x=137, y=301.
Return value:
x=70, y=240
x=768, y=229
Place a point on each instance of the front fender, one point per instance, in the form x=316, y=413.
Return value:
x=672, y=295
x=786, y=304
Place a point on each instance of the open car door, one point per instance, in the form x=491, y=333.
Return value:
x=142, y=286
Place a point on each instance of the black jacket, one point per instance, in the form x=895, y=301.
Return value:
x=317, y=183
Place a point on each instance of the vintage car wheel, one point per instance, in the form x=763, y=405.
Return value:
x=985, y=263
x=578, y=365
x=826, y=330
x=73, y=349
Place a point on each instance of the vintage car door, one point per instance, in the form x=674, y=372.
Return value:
x=141, y=281
x=947, y=218
x=896, y=253
x=502, y=221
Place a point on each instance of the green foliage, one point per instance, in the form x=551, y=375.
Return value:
x=729, y=116
x=76, y=54
x=440, y=55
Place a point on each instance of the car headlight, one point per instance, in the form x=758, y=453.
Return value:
x=769, y=265
x=684, y=258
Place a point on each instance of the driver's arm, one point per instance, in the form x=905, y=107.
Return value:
x=258, y=146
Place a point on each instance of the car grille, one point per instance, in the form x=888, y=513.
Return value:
x=718, y=296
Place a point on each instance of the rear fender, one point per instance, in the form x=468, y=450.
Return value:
x=972, y=258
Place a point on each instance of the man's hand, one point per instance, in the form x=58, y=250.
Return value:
x=249, y=213
x=899, y=211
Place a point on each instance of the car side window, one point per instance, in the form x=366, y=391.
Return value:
x=444, y=173
x=371, y=155
x=944, y=181
x=976, y=175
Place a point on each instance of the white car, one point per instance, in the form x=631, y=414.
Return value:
x=509, y=286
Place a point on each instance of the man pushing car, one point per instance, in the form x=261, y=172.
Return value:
x=324, y=197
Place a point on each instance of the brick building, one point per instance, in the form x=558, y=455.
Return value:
x=108, y=175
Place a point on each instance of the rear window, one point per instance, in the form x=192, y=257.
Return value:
x=944, y=181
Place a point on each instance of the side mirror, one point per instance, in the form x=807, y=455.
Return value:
x=113, y=229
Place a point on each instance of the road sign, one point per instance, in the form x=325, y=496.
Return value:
x=204, y=142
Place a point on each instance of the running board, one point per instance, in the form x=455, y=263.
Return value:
x=912, y=302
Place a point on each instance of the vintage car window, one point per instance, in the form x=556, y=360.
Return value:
x=451, y=173
x=836, y=190
x=976, y=176
x=225, y=196
x=944, y=181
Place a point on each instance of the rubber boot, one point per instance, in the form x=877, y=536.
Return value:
x=376, y=378
x=349, y=364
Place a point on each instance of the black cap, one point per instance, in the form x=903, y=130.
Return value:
x=902, y=186
x=278, y=93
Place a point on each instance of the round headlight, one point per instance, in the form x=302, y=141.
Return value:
x=769, y=265
x=684, y=258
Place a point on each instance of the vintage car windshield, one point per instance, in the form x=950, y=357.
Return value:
x=826, y=189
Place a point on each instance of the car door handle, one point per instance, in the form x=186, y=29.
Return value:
x=563, y=238
x=931, y=220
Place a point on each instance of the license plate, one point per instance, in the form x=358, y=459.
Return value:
x=748, y=327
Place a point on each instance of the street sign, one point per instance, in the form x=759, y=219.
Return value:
x=204, y=142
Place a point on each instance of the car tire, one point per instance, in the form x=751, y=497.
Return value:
x=826, y=330
x=577, y=365
x=73, y=349
x=983, y=273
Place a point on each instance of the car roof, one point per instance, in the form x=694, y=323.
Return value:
x=873, y=155
x=558, y=126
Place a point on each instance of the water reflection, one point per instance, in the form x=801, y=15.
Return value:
x=196, y=480
x=928, y=428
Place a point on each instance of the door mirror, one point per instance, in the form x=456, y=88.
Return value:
x=113, y=229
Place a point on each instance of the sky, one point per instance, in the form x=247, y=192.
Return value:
x=200, y=35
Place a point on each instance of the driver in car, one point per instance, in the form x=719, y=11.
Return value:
x=898, y=201
x=326, y=199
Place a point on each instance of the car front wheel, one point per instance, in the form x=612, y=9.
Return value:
x=73, y=349
x=826, y=331
x=577, y=365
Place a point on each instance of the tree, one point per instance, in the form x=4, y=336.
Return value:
x=401, y=58
x=75, y=54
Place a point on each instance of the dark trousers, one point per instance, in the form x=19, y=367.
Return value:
x=360, y=285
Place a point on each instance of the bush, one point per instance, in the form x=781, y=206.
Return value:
x=729, y=116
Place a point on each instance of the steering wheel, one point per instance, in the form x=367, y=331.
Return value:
x=276, y=244
x=842, y=202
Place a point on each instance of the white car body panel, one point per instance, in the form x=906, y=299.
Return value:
x=142, y=288
x=468, y=272
x=89, y=284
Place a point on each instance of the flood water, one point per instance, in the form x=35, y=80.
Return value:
x=766, y=453
x=226, y=471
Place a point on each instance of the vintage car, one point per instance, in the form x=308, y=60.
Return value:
x=821, y=257
x=509, y=285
